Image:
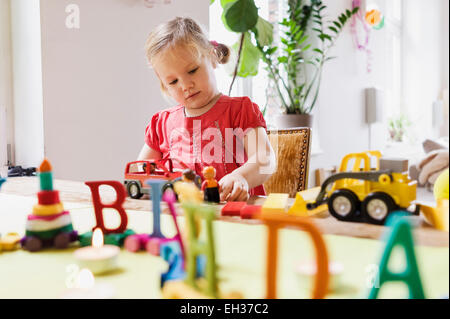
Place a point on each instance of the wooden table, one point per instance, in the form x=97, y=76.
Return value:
x=240, y=251
x=78, y=192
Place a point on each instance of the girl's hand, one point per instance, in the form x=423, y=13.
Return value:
x=233, y=187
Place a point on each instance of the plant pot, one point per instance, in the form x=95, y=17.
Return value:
x=293, y=120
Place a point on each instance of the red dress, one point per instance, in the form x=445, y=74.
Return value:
x=215, y=138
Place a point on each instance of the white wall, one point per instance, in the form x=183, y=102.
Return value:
x=425, y=60
x=99, y=93
x=339, y=112
x=27, y=82
x=6, y=90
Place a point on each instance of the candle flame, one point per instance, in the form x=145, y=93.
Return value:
x=97, y=238
x=85, y=279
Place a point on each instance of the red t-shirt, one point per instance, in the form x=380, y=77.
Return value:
x=215, y=138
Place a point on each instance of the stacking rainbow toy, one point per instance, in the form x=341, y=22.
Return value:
x=49, y=224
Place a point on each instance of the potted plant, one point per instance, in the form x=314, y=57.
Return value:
x=295, y=68
x=397, y=127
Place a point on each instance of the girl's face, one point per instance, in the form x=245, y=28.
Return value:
x=187, y=79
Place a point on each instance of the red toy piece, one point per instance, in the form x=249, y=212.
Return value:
x=137, y=172
x=250, y=211
x=233, y=208
x=98, y=205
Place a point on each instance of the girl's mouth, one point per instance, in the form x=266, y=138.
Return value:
x=192, y=95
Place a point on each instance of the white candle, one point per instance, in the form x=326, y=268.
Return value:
x=98, y=258
x=86, y=288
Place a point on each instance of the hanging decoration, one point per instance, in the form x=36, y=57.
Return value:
x=368, y=17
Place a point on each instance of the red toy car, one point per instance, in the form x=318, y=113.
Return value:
x=137, y=172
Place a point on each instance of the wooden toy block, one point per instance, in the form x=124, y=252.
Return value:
x=117, y=205
x=398, y=165
x=35, y=224
x=400, y=235
x=153, y=246
x=275, y=203
x=197, y=247
x=47, y=210
x=171, y=252
x=233, y=208
x=156, y=191
x=135, y=243
x=301, y=199
x=250, y=211
x=276, y=221
x=437, y=216
x=48, y=197
x=10, y=241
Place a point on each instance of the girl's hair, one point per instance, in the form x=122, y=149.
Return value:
x=184, y=31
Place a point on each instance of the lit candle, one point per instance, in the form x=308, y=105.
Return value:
x=98, y=258
x=86, y=288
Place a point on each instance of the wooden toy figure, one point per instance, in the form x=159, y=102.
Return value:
x=210, y=187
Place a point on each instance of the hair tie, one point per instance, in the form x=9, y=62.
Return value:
x=214, y=43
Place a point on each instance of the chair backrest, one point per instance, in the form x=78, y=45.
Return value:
x=292, y=149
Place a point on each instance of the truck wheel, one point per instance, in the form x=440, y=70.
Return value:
x=343, y=205
x=168, y=185
x=134, y=190
x=376, y=207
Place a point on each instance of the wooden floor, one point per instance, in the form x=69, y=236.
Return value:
x=78, y=192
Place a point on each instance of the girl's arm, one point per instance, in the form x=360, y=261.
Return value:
x=148, y=153
x=261, y=164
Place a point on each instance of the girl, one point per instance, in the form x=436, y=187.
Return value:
x=207, y=128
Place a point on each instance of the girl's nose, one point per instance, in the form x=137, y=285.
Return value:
x=187, y=85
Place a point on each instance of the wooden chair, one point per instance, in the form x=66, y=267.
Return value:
x=292, y=149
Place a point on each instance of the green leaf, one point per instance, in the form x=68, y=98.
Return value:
x=282, y=59
x=241, y=15
x=337, y=24
x=250, y=56
x=356, y=9
x=333, y=29
x=318, y=51
x=223, y=3
x=306, y=47
x=211, y=2
x=264, y=32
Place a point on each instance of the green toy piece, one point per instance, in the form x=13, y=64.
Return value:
x=197, y=247
x=400, y=234
x=109, y=239
x=46, y=181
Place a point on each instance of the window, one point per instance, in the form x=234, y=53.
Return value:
x=254, y=87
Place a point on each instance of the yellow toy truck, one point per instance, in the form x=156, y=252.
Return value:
x=367, y=194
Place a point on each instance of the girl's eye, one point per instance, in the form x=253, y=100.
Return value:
x=174, y=82
x=193, y=71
